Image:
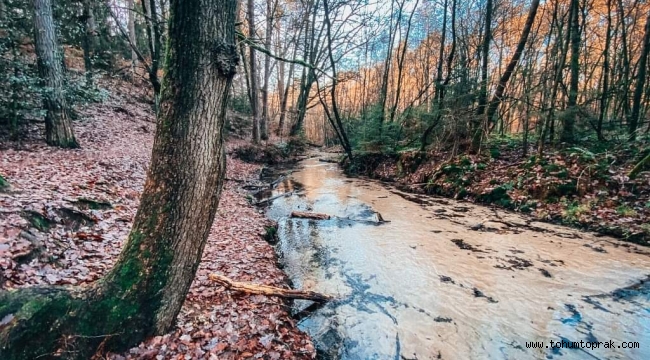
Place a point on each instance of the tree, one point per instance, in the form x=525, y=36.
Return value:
x=58, y=126
x=254, y=91
x=154, y=39
x=483, y=92
x=143, y=293
x=89, y=42
x=510, y=68
x=130, y=4
x=640, y=82
x=264, y=123
x=335, y=121
x=569, y=118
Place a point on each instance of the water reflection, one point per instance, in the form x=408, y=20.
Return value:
x=426, y=285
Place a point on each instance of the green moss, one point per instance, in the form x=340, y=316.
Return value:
x=3, y=183
x=37, y=220
x=86, y=203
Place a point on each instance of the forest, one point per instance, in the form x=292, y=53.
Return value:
x=255, y=179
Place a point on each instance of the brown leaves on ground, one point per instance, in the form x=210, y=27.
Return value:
x=77, y=244
x=573, y=186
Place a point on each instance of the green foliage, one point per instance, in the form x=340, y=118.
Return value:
x=498, y=195
x=574, y=211
x=626, y=211
x=271, y=153
x=241, y=104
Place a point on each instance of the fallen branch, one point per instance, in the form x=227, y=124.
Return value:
x=639, y=167
x=255, y=289
x=273, y=198
x=310, y=215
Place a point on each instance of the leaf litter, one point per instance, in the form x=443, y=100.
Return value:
x=69, y=241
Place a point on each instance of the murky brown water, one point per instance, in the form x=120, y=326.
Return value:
x=432, y=283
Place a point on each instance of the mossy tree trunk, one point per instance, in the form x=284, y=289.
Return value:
x=142, y=295
x=58, y=126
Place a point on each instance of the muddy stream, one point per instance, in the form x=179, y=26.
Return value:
x=442, y=279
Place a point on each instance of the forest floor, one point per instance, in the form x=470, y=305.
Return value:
x=587, y=188
x=65, y=217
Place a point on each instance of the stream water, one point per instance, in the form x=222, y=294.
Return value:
x=450, y=280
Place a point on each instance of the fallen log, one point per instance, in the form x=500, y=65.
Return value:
x=255, y=289
x=310, y=215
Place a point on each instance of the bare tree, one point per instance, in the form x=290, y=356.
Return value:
x=640, y=82
x=252, y=69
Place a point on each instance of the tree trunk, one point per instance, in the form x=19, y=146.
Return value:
x=132, y=36
x=605, y=89
x=440, y=87
x=571, y=113
x=510, y=68
x=253, y=74
x=337, y=123
x=142, y=295
x=400, y=64
x=308, y=75
x=155, y=46
x=89, y=41
x=640, y=81
x=264, y=123
x=477, y=128
x=58, y=126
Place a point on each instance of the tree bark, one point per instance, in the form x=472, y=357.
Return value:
x=338, y=122
x=132, y=35
x=89, y=42
x=155, y=47
x=440, y=85
x=254, y=91
x=477, y=128
x=571, y=113
x=640, y=81
x=605, y=88
x=58, y=126
x=510, y=68
x=142, y=295
x=264, y=123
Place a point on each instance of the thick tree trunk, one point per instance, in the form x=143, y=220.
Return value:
x=142, y=295
x=58, y=126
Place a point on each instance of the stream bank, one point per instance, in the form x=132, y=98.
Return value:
x=572, y=187
x=446, y=279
